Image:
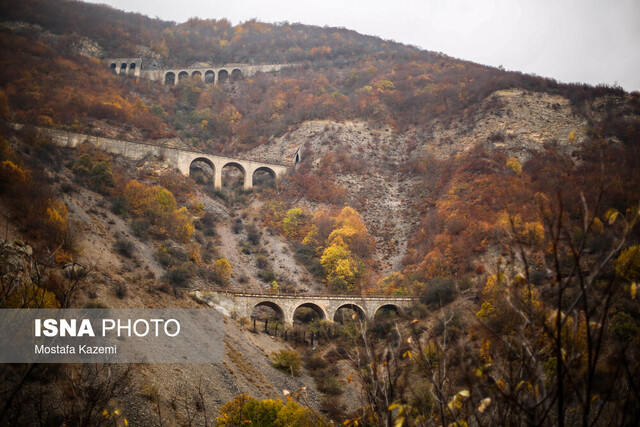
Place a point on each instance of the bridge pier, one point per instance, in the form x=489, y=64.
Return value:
x=217, y=178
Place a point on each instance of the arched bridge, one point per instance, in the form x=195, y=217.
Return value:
x=366, y=306
x=179, y=158
x=207, y=73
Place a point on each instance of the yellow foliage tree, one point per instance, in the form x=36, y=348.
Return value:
x=338, y=264
x=56, y=218
x=138, y=196
x=245, y=410
x=222, y=268
x=12, y=177
x=164, y=198
x=628, y=263
x=292, y=223
x=177, y=224
x=311, y=239
x=31, y=296
x=514, y=165
x=352, y=231
x=148, y=201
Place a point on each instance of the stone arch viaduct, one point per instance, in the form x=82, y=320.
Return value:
x=126, y=66
x=326, y=306
x=179, y=158
x=209, y=73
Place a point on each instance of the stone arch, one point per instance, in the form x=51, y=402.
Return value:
x=355, y=307
x=315, y=307
x=170, y=78
x=197, y=73
x=132, y=69
x=209, y=76
x=279, y=311
x=123, y=68
x=223, y=75
x=262, y=181
x=203, y=160
x=236, y=74
x=183, y=75
x=113, y=66
x=237, y=166
x=391, y=306
x=267, y=169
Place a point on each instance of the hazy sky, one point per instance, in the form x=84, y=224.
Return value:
x=592, y=41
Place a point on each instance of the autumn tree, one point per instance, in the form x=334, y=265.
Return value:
x=223, y=270
x=340, y=268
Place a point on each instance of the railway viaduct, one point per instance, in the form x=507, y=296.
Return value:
x=285, y=305
x=209, y=73
x=179, y=158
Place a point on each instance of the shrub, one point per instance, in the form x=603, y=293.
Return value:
x=140, y=227
x=245, y=410
x=223, y=270
x=101, y=176
x=178, y=277
x=178, y=254
x=237, y=226
x=332, y=406
x=262, y=262
x=267, y=276
x=120, y=206
x=120, y=289
x=288, y=361
x=624, y=327
x=315, y=362
x=440, y=291
x=124, y=247
x=253, y=235
x=330, y=385
x=515, y=166
x=496, y=136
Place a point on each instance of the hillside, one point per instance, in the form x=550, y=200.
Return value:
x=497, y=199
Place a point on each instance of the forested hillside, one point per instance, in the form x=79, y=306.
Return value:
x=507, y=203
